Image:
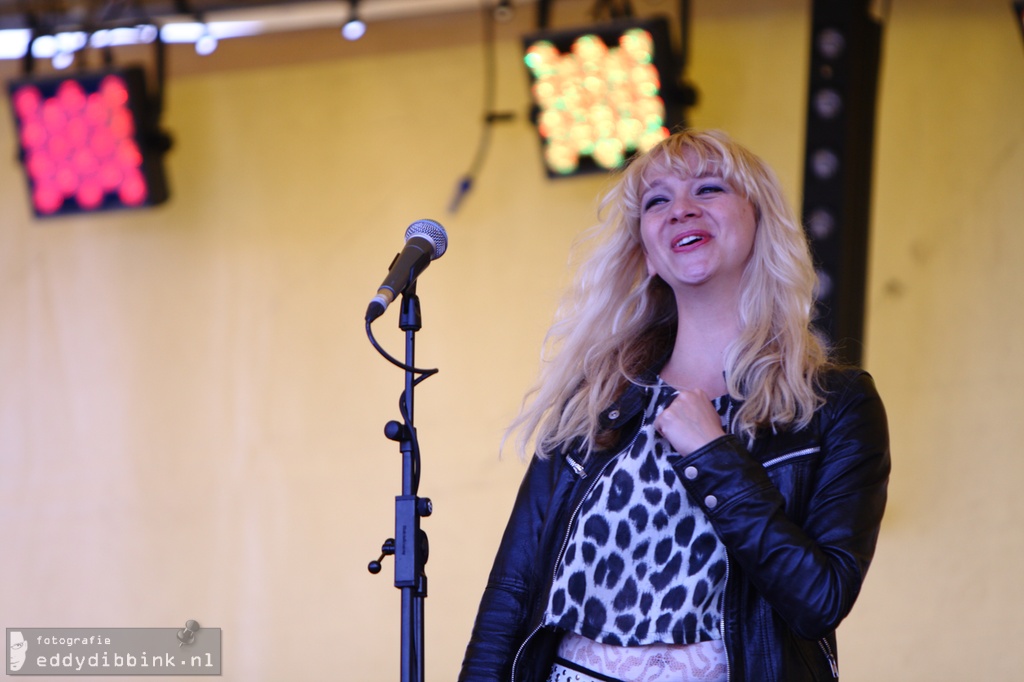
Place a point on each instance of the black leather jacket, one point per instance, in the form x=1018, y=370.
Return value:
x=799, y=514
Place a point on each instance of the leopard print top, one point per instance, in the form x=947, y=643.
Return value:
x=642, y=564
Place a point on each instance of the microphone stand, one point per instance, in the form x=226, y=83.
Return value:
x=409, y=546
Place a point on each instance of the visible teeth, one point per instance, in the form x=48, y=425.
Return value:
x=686, y=241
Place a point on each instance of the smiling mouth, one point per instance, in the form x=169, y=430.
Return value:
x=688, y=240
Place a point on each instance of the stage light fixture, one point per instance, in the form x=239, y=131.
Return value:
x=845, y=54
x=206, y=44
x=63, y=60
x=206, y=39
x=503, y=11
x=89, y=142
x=603, y=93
x=354, y=28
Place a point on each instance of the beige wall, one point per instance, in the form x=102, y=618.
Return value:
x=191, y=416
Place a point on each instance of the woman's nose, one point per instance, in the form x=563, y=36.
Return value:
x=683, y=208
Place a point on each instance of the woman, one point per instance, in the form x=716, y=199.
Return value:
x=707, y=487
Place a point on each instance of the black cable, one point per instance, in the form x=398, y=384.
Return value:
x=160, y=74
x=28, y=60
x=684, y=23
x=414, y=441
x=884, y=12
x=403, y=407
x=398, y=363
x=490, y=117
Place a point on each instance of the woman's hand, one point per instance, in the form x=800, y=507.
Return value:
x=689, y=422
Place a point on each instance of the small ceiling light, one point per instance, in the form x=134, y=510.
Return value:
x=146, y=33
x=821, y=223
x=207, y=44
x=63, y=60
x=831, y=43
x=828, y=103
x=354, y=28
x=503, y=11
x=825, y=163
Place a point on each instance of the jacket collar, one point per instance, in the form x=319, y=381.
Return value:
x=632, y=401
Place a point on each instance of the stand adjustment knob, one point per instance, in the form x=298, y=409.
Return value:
x=387, y=549
x=424, y=507
x=396, y=431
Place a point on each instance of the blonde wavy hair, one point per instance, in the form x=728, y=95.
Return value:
x=618, y=323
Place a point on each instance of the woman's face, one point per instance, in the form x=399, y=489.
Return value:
x=695, y=231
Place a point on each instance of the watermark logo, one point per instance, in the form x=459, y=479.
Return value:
x=192, y=650
x=18, y=650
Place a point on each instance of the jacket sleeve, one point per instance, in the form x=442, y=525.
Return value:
x=502, y=617
x=810, y=573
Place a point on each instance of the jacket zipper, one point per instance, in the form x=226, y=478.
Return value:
x=579, y=471
x=561, y=551
x=721, y=623
x=576, y=467
x=515, y=661
x=832, y=663
x=822, y=643
x=790, y=455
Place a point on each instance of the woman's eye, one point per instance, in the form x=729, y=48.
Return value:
x=652, y=202
x=710, y=189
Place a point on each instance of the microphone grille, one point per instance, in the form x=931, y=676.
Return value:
x=432, y=231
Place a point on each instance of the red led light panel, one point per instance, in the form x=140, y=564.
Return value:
x=84, y=143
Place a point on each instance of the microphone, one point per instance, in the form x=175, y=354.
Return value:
x=425, y=240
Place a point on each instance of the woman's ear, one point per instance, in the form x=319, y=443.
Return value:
x=650, y=266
